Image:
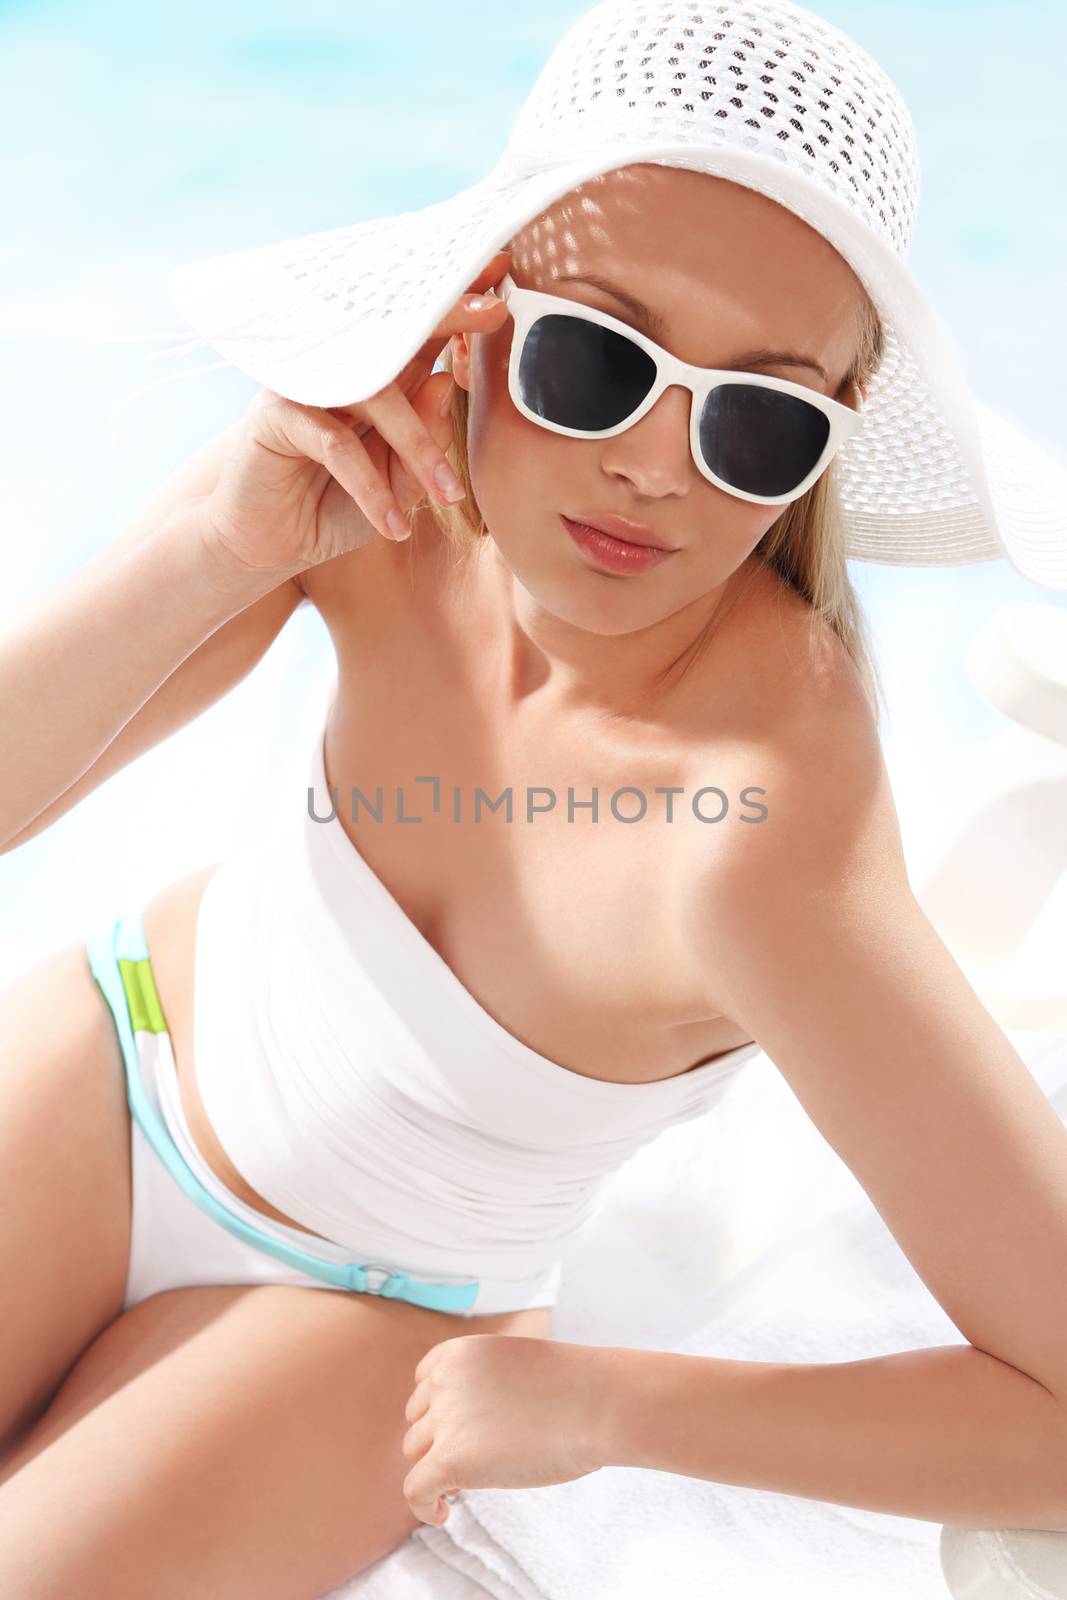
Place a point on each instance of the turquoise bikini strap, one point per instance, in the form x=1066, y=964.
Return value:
x=118, y=958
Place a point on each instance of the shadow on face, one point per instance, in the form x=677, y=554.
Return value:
x=724, y=272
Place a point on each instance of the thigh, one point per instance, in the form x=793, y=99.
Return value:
x=65, y=1159
x=226, y=1442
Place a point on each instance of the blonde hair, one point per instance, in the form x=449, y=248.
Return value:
x=805, y=545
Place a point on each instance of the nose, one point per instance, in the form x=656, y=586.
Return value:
x=654, y=454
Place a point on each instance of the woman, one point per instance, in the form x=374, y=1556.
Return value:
x=399, y=1062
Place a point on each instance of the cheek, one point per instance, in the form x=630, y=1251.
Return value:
x=489, y=358
x=739, y=525
x=507, y=453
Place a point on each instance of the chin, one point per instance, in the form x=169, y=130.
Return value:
x=600, y=603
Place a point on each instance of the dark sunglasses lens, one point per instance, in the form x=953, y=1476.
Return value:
x=580, y=375
x=760, y=440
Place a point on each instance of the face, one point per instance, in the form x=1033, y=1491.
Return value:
x=729, y=272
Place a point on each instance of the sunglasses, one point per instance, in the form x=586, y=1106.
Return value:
x=582, y=373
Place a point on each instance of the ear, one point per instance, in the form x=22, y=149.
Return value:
x=488, y=278
x=461, y=360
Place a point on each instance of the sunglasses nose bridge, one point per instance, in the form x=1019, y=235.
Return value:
x=677, y=378
x=673, y=373
x=688, y=424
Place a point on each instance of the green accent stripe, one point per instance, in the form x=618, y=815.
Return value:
x=146, y=1013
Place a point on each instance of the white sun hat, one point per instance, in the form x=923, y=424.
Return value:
x=762, y=93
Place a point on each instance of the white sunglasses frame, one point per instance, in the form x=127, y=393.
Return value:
x=527, y=305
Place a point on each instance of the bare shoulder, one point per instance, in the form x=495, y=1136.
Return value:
x=356, y=572
x=805, y=740
x=812, y=849
x=360, y=582
x=795, y=662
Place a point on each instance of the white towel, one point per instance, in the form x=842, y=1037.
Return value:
x=741, y=1234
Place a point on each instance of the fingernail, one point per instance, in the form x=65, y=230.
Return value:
x=397, y=524
x=476, y=302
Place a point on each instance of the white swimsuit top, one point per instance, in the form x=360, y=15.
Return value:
x=361, y=1089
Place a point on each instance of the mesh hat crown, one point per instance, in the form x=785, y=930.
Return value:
x=764, y=94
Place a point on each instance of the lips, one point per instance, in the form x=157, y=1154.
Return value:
x=621, y=528
x=610, y=554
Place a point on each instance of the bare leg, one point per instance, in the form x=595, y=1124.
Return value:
x=224, y=1442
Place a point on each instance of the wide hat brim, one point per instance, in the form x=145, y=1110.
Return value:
x=933, y=477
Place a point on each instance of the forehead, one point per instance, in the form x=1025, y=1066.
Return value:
x=721, y=263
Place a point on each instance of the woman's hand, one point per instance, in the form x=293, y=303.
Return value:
x=302, y=484
x=499, y=1411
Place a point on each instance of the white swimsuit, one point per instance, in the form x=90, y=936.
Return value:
x=361, y=1089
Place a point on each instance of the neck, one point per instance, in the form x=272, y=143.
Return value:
x=544, y=660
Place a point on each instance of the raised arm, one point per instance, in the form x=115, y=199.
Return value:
x=127, y=649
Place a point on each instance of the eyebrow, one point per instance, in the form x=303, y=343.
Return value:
x=656, y=326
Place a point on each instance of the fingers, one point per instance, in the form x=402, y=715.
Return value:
x=412, y=437
x=327, y=435
x=418, y=1402
x=481, y=311
x=416, y=1446
x=401, y=425
x=432, y=1357
x=417, y=1440
x=424, y=1489
x=347, y=460
x=473, y=312
x=289, y=428
x=429, y=1487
